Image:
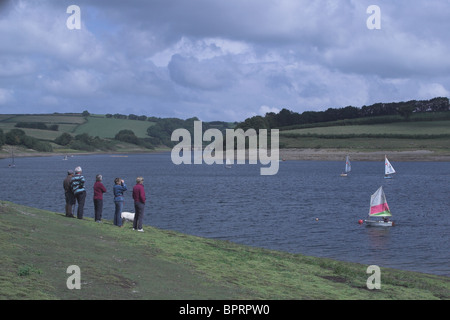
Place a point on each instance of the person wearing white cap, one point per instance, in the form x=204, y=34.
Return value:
x=79, y=192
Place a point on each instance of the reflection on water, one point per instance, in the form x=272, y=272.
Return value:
x=306, y=208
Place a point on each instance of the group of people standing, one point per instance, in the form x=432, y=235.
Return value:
x=75, y=192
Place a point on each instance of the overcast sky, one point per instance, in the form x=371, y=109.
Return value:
x=219, y=60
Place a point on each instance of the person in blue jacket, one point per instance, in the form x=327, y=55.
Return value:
x=118, y=190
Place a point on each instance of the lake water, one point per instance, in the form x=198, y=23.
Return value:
x=278, y=212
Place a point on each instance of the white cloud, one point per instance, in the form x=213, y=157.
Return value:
x=6, y=96
x=74, y=83
x=202, y=49
x=431, y=90
x=266, y=109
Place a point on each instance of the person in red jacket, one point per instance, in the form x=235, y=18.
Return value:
x=139, y=204
x=99, y=189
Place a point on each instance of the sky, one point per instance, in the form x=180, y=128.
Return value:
x=221, y=60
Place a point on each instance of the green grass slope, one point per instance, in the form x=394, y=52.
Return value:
x=399, y=128
x=94, y=125
x=66, y=123
x=396, y=136
x=109, y=127
x=38, y=246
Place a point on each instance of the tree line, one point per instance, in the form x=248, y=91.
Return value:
x=131, y=116
x=290, y=118
x=85, y=142
x=37, y=125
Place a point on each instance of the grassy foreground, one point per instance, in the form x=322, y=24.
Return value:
x=38, y=246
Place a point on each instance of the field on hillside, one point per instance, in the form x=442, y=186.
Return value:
x=441, y=145
x=94, y=125
x=404, y=128
x=74, y=124
x=66, y=123
x=109, y=127
x=420, y=135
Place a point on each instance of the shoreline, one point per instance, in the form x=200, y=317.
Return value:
x=339, y=155
x=25, y=154
x=285, y=154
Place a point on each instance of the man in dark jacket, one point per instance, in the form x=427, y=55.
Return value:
x=70, y=199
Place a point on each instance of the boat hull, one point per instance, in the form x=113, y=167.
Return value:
x=379, y=223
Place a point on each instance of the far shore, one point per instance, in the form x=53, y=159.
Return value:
x=285, y=154
x=337, y=155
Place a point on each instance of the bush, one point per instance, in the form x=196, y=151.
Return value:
x=129, y=137
x=18, y=137
x=86, y=142
x=64, y=139
x=80, y=145
x=14, y=137
x=37, y=125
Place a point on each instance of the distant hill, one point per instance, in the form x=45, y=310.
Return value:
x=72, y=132
x=389, y=126
x=399, y=126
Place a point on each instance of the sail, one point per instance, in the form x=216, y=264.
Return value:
x=388, y=168
x=378, y=204
x=348, y=166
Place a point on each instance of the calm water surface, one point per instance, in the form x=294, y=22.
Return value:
x=276, y=212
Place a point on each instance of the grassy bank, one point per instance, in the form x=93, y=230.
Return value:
x=38, y=246
x=397, y=136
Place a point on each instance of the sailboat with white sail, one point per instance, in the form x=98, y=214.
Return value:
x=348, y=167
x=228, y=163
x=12, y=164
x=388, y=169
x=379, y=209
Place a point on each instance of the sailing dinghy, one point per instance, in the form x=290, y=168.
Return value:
x=379, y=209
x=348, y=167
x=228, y=163
x=12, y=164
x=388, y=169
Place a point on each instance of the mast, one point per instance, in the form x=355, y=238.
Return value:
x=12, y=164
